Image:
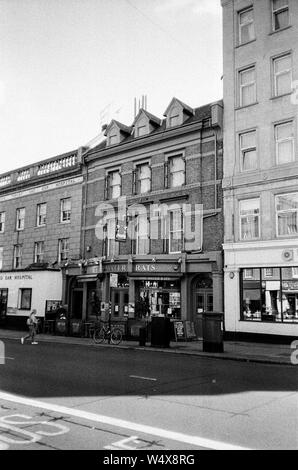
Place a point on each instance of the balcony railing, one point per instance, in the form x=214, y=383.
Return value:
x=5, y=180
x=45, y=168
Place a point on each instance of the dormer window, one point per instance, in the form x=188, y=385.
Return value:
x=145, y=123
x=116, y=132
x=142, y=128
x=177, y=113
x=113, y=139
x=175, y=117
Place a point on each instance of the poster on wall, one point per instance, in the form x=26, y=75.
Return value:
x=190, y=330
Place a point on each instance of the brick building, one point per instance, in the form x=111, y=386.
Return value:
x=261, y=166
x=141, y=184
x=40, y=222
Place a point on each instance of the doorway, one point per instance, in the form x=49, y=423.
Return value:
x=119, y=302
x=203, y=299
x=77, y=304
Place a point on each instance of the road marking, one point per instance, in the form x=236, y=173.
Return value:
x=143, y=378
x=120, y=423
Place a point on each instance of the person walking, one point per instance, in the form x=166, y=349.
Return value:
x=32, y=322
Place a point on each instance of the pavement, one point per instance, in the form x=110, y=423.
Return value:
x=233, y=350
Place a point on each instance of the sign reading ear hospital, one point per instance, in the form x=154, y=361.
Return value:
x=16, y=277
x=41, y=189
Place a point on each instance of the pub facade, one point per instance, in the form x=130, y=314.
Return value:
x=152, y=220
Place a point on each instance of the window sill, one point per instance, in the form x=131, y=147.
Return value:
x=245, y=43
x=279, y=30
x=238, y=108
x=65, y=222
x=281, y=96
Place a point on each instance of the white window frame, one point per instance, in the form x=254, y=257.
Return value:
x=17, y=256
x=241, y=202
x=289, y=139
x=295, y=272
x=245, y=24
x=65, y=213
x=284, y=72
x=20, y=219
x=284, y=211
x=249, y=84
x=112, y=186
x=1, y=257
x=145, y=240
x=177, y=231
x=246, y=274
x=40, y=217
x=276, y=12
x=268, y=272
x=38, y=251
x=2, y=221
x=139, y=179
x=171, y=158
x=62, y=250
x=244, y=150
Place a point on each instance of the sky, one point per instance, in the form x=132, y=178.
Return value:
x=69, y=66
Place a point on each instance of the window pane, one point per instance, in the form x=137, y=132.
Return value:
x=283, y=84
x=178, y=179
x=250, y=160
x=279, y=4
x=25, y=299
x=281, y=20
x=248, y=140
x=287, y=223
x=177, y=164
x=282, y=63
x=247, y=76
x=285, y=152
x=284, y=131
x=248, y=95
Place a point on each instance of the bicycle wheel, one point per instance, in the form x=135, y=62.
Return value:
x=116, y=336
x=98, y=335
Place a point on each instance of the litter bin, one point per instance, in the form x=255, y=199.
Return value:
x=61, y=327
x=213, y=332
x=142, y=336
x=160, y=332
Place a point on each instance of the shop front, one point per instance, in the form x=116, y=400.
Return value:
x=23, y=291
x=262, y=298
x=130, y=292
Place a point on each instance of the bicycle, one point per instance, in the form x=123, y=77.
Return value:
x=101, y=333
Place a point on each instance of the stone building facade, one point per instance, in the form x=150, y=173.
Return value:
x=40, y=229
x=261, y=166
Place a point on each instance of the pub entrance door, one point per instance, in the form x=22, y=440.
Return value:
x=3, y=303
x=203, y=299
x=119, y=302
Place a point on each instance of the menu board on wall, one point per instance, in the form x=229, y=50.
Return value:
x=190, y=330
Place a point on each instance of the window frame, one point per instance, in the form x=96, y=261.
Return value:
x=283, y=211
x=243, y=150
x=18, y=248
x=65, y=211
x=138, y=166
x=39, y=215
x=277, y=74
x=2, y=221
x=241, y=12
x=241, y=86
x=60, y=251
x=277, y=142
x=20, y=298
x=245, y=216
x=110, y=186
x=172, y=231
x=277, y=11
x=169, y=161
x=40, y=253
x=1, y=257
x=20, y=219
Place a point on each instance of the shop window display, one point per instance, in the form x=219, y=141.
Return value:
x=158, y=298
x=269, y=294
